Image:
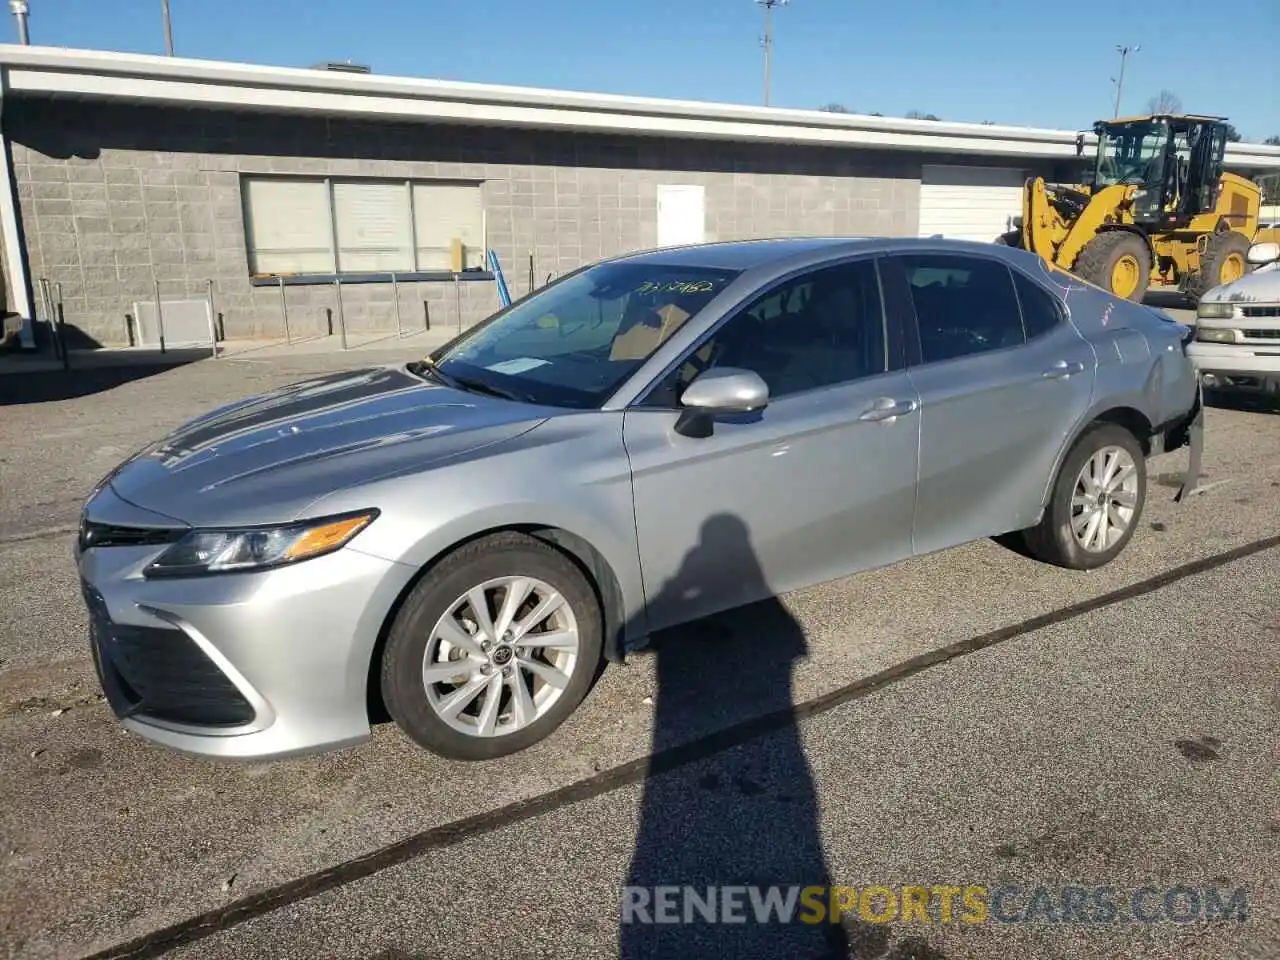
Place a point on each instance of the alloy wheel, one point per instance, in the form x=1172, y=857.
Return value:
x=500, y=656
x=1104, y=499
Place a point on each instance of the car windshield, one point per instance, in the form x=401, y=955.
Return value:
x=1131, y=153
x=573, y=343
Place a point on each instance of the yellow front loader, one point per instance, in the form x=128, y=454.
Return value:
x=1158, y=209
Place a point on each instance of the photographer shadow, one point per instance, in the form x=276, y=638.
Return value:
x=746, y=816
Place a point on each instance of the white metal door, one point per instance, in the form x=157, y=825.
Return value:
x=682, y=214
x=969, y=203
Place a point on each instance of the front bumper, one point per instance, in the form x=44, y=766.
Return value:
x=248, y=665
x=1237, y=366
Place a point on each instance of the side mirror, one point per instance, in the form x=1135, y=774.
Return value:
x=722, y=390
x=1261, y=253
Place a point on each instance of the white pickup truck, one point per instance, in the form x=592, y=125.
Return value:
x=1237, y=342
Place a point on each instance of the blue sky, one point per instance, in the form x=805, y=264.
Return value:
x=1008, y=61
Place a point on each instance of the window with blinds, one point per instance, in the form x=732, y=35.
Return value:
x=373, y=226
x=288, y=226
x=298, y=225
x=442, y=214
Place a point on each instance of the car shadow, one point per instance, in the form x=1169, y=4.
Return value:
x=744, y=817
x=1244, y=401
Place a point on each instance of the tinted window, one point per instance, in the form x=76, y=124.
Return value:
x=820, y=329
x=1040, y=311
x=964, y=305
x=573, y=342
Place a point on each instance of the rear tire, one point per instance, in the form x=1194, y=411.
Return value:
x=1225, y=259
x=1117, y=261
x=437, y=628
x=1068, y=535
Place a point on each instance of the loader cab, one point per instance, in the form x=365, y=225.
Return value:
x=1174, y=161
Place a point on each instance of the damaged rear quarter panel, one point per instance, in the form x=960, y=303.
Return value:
x=1140, y=359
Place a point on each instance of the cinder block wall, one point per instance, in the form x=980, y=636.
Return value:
x=114, y=197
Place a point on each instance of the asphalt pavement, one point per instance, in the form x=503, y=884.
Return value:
x=969, y=719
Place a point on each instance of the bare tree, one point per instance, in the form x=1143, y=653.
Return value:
x=1166, y=101
x=917, y=115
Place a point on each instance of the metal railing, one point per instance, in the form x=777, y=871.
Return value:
x=339, y=311
x=50, y=309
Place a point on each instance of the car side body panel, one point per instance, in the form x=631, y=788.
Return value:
x=803, y=492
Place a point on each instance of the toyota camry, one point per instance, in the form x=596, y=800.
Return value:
x=463, y=541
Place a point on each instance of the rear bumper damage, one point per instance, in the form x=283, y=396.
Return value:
x=1187, y=431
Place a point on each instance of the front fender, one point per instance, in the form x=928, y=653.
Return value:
x=569, y=474
x=619, y=583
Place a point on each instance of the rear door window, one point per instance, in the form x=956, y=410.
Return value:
x=964, y=305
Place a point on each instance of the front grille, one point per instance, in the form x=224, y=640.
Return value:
x=1261, y=334
x=159, y=672
x=108, y=535
x=1259, y=312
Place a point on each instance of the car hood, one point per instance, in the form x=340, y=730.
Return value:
x=265, y=459
x=1260, y=286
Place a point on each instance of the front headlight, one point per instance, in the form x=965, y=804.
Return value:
x=1215, y=311
x=1215, y=334
x=257, y=548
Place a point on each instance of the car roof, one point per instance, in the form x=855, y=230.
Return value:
x=747, y=255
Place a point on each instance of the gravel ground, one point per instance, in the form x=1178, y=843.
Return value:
x=970, y=718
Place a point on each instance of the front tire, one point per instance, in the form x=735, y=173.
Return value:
x=1118, y=261
x=1096, y=502
x=493, y=649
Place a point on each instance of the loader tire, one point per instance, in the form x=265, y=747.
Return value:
x=1117, y=261
x=1225, y=259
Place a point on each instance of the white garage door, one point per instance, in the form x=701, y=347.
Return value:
x=969, y=203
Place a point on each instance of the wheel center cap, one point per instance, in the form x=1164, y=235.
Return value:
x=502, y=655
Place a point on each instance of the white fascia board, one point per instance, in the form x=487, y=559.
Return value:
x=106, y=64
x=195, y=94
x=217, y=84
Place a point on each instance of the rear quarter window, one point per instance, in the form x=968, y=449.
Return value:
x=1041, y=311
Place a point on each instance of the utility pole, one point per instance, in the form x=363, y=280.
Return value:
x=20, y=10
x=766, y=41
x=1124, y=55
x=168, y=28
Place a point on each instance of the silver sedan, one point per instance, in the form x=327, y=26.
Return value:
x=465, y=540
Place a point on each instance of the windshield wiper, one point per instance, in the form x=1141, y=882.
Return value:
x=480, y=386
x=430, y=371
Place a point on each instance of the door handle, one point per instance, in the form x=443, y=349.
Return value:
x=887, y=409
x=1063, y=368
